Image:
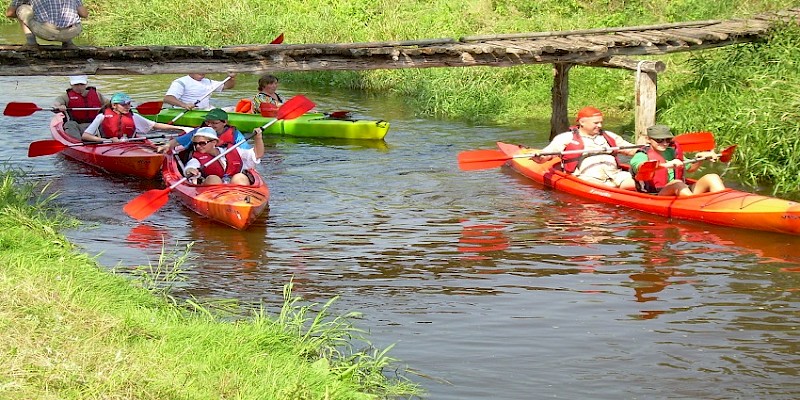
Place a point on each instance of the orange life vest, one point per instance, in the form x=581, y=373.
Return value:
x=570, y=162
x=233, y=167
x=661, y=175
x=117, y=125
x=75, y=100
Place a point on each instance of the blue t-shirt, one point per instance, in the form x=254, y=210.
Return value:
x=185, y=140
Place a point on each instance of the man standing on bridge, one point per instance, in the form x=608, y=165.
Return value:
x=54, y=20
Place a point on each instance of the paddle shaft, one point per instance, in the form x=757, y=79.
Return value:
x=583, y=151
x=214, y=89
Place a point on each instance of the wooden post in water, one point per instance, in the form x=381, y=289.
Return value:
x=559, y=122
x=645, y=109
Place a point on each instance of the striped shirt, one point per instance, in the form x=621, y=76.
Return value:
x=61, y=13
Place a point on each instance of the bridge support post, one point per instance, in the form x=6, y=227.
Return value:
x=645, y=109
x=559, y=122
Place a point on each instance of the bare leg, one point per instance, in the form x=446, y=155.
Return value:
x=675, y=188
x=240, y=179
x=212, y=180
x=711, y=183
x=628, y=184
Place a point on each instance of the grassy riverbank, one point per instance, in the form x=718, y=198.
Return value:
x=71, y=330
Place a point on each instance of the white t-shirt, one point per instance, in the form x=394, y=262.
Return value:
x=143, y=125
x=189, y=91
x=249, y=160
x=601, y=167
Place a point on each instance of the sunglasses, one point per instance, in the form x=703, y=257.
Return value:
x=662, y=141
x=202, y=142
x=128, y=104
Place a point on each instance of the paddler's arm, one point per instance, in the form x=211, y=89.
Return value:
x=258, y=140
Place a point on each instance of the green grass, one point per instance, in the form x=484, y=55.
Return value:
x=72, y=330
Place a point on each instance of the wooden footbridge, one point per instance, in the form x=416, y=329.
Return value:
x=606, y=47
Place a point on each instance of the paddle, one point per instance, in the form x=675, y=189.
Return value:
x=277, y=40
x=19, y=109
x=695, y=141
x=484, y=159
x=47, y=147
x=647, y=170
x=214, y=89
x=152, y=200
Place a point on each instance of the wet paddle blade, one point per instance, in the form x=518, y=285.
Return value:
x=18, y=109
x=727, y=154
x=696, y=141
x=45, y=148
x=278, y=40
x=481, y=159
x=295, y=107
x=146, y=203
x=150, y=108
x=647, y=170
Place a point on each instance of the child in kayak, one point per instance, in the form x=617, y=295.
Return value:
x=669, y=177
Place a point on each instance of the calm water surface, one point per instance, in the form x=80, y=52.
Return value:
x=490, y=286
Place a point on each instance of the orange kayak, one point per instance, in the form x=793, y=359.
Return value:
x=233, y=205
x=728, y=208
x=134, y=158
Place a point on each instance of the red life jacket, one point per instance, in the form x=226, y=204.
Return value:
x=661, y=176
x=117, y=125
x=570, y=162
x=75, y=100
x=227, y=137
x=233, y=159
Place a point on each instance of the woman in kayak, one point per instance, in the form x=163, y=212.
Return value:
x=600, y=167
x=116, y=122
x=231, y=168
x=669, y=178
x=267, y=98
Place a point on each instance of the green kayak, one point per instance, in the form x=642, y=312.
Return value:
x=312, y=125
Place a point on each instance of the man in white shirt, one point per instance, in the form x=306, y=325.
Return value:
x=193, y=91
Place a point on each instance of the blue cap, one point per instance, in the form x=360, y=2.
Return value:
x=120, y=98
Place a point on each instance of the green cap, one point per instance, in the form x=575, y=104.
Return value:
x=217, y=114
x=659, y=132
x=120, y=98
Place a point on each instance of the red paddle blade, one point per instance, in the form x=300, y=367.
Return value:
x=481, y=159
x=149, y=108
x=696, y=141
x=146, y=203
x=295, y=107
x=18, y=109
x=647, y=170
x=727, y=154
x=278, y=40
x=340, y=114
x=45, y=148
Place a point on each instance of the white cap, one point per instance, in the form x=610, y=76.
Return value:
x=78, y=79
x=207, y=132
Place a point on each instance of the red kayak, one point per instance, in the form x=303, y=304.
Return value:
x=134, y=158
x=233, y=205
x=729, y=207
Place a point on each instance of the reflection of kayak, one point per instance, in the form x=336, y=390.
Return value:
x=233, y=205
x=135, y=158
x=315, y=125
x=729, y=207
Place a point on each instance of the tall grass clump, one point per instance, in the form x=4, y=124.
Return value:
x=747, y=95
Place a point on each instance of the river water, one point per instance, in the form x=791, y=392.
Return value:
x=490, y=286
